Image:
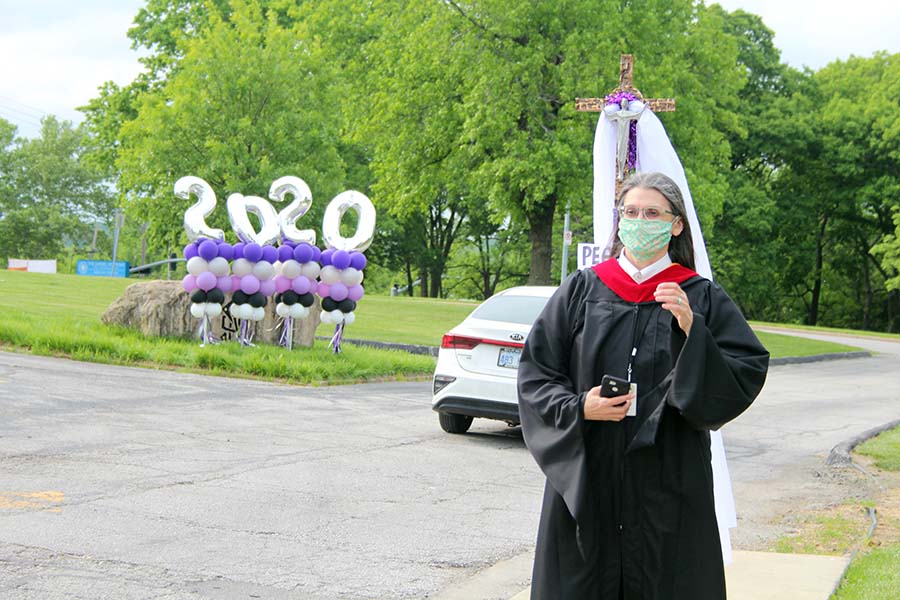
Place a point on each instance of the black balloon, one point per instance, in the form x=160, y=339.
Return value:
x=216, y=296
x=289, y=297
x=257, y=300
x=347, y=305
x=307, y=300
x=329, y=304
x=239, y=297
x=198, y=296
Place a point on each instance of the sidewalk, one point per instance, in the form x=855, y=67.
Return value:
x=752, y=576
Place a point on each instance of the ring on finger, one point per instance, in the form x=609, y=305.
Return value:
x=679, y=301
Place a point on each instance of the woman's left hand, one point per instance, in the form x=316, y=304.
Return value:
x=675, y=301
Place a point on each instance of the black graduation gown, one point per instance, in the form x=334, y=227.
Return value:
x=630, y=504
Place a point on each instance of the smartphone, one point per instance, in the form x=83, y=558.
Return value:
x=610, y=386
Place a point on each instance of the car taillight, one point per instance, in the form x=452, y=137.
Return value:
x=462, y=342
x=459, y=342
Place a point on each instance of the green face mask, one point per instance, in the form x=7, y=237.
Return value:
x=644, y=239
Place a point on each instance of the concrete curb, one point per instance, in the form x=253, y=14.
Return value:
x=433, y=351
x=411, y=348
x=840, y=454
x=794, y=360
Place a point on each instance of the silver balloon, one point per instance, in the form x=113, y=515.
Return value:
x=195, y=216
x=365, y=227
x=238, y=208
x=287, y=218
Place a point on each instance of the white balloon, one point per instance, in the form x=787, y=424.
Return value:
x=244, y=311
x=218, y=266
x=213, y=309
x=330, y=275
x=349, y=318
x=197, y=265
x=311, y=270
x=263, y=270
x=351, y=276
x=282, y=310
x=290, y=269
x=198, y=309
x=258, y=314
x=325, y=317
x=337, y=316
x=241, y=267
x=298, y=311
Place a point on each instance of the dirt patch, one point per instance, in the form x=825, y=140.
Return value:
x=842, y=526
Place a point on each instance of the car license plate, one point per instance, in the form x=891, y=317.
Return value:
x=509, y=358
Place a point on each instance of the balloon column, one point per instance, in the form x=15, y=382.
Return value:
x=207, y=282
x=291, y=272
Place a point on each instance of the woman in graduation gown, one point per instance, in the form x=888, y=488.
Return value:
x=628, y=510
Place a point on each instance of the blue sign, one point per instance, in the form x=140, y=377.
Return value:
x=103, y=268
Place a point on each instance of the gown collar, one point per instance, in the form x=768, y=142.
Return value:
x=616, y=279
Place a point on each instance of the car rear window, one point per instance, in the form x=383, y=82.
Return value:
x=511, y=309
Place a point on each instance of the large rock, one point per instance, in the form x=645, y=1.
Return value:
x=162, y=308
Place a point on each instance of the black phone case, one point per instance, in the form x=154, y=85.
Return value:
x=610, y=386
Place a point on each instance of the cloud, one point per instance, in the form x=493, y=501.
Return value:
x=56, y=59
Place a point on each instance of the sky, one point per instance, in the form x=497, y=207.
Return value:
x=56, y=53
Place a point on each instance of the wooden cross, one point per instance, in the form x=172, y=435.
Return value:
x=626, y=79
x=626, y=84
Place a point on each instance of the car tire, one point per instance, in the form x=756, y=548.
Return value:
x=454, y=423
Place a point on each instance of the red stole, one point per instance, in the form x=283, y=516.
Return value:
x=614, y=276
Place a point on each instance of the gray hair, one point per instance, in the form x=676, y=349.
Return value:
x=681, y=248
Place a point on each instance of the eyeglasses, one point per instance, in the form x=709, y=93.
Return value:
x=650, y=213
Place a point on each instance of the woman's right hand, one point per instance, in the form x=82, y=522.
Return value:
x=598, y=408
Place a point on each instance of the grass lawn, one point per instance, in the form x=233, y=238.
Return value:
x=60, y=315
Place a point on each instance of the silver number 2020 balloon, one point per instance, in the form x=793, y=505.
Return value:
x=195, y=216
x=365, y=227
x=287, y=218
x=239, y=206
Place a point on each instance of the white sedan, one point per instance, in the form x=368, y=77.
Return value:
x=477, y=363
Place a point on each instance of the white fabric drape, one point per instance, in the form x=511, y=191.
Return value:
x=655, y=153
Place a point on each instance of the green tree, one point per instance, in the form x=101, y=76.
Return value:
x=250, y=101
x=50, y=198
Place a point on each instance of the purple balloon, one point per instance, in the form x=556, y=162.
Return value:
x=253, y=252
x=267, y=287
x=301, y=285
x=226, y=251
x=206, y=281
x=323, y=290
x=238, y=250
x=338, y=291
x=189, y=283
x=303, y=253
x=340, y=259
x=282, y=284
x=317, y=254
x=225, y=283
x=235, y=282
x=208, y=250
x=285, y=253
x=358, y=260
x=249, y=284
x=325, y=259
x=190, y=251
x=355, y=292
x=269, y=254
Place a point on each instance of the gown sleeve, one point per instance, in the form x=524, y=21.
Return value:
x=550, y=406
x=721, y=367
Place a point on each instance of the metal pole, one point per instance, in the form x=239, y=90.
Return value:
x=116, y=226
x=567, y=240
